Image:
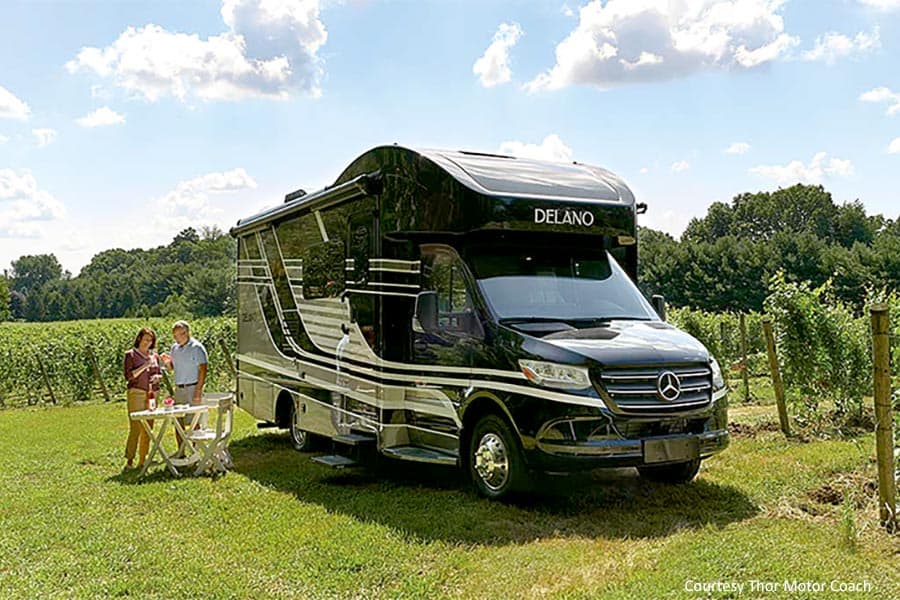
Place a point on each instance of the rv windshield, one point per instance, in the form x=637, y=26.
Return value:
x=562, y=284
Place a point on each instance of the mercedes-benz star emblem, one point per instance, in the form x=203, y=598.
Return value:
x=668, y=386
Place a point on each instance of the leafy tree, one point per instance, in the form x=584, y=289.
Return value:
x=210, y=292
x=761, y=215
x=4, y=299
x=16, y=305
x=29, y=273
x=186, y=235
x=725, y=259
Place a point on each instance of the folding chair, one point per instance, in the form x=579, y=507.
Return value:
x=212, y=444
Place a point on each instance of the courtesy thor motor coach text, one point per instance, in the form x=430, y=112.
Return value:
x=468, y=309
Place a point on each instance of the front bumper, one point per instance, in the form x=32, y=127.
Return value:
x=627, y=452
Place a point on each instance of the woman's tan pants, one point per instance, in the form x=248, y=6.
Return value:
x=137, y=436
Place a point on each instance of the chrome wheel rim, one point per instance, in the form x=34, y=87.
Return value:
x=492, y=461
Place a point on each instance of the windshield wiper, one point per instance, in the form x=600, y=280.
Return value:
x=514, y=320
x=569, y=320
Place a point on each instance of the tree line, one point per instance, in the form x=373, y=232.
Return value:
x=193, y=275
x=725, y=260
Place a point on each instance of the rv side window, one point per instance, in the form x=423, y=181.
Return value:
x=323, y=270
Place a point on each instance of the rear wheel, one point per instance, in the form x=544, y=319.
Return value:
x=682, y=472
x=301, y=440
x=495, y=462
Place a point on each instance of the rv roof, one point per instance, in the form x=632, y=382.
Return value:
x=506, y=175
x=488, y=174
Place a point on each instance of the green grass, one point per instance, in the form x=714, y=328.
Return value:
x=73, y=525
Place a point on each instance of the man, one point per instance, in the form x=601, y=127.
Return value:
x=189, y=360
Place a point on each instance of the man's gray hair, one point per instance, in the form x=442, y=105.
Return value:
x=181, y=325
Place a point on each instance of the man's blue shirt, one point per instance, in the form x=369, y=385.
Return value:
x=187, y=360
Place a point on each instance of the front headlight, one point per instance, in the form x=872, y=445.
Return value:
x=553, y=375
x=718, y=381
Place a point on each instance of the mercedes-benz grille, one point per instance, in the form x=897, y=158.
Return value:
x=663, y=389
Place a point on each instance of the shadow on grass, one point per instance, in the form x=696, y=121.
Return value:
x=131, y=476
x=434, y=503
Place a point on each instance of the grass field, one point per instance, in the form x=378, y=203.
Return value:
x=72, y=524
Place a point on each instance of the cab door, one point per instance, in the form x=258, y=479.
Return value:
x=446, y=328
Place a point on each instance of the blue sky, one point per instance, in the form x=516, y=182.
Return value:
x=123, y=122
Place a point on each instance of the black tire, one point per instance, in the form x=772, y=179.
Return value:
x=301, y=440
x=682, y=472
x=494, y=459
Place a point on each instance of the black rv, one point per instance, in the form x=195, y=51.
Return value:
x=469, y=309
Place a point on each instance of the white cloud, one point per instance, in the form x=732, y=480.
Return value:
x=269, y=51
x=552, y=148
x=631, y=41
x=3, y=139
x=882, y=4
x=680, y=166
x=188, y=204
x=102, y=117
x=832, y=46
x=23, y=205
x=567, y=10
x=883, y=94
x=670, y=221
x=492, y=67
x=737, y=148
x=11, y=107
x=894, y=146
x=44, y=136
x=644, y=170
x=795, y=171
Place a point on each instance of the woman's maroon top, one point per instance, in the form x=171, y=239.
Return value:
x=135, y=360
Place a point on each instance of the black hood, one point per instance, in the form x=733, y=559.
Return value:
x=631, y=343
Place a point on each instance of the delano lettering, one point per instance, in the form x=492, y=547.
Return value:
x=563, y=216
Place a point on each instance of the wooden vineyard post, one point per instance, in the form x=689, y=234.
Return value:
x=95, y=366
x=884, y=421
x=228, y=358
x=46, y=379
x=745, y=369
x=776, y=377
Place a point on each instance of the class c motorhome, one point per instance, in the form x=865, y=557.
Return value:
x=469, y=309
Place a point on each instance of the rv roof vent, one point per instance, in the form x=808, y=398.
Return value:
x=294, y=195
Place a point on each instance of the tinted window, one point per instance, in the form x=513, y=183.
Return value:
x=519, y=282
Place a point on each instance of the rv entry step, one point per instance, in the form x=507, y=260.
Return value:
x=354, y=439
x=335, y=461
x=418, y=454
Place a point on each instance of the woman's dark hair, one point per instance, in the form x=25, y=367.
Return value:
x=145, y=331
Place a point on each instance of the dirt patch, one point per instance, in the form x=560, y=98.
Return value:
x=827, y=495
x=747, y=430
x=860, y=488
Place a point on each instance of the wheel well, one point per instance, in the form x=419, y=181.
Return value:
x=479, y=407
x=283, y=407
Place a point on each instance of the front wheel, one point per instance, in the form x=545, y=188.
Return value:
x=302, y=441
x=495, y=462
x=682, y=472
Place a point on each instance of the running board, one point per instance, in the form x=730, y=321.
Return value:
x=335, y=461
x=354, y=439
x=420, y=455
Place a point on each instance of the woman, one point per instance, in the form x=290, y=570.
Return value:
x=143, y=373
